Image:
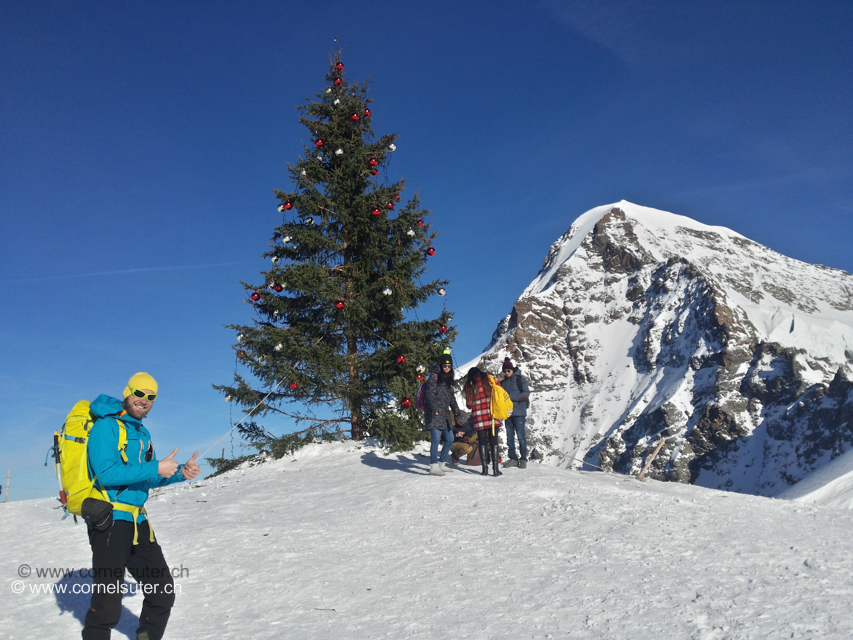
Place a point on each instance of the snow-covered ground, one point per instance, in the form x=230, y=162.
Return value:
x=343, y=542
x=831, y=486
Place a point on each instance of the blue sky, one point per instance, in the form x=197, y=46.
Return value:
x=140, y=143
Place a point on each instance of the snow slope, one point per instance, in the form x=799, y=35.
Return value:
x=831, y=485
x=341, y=541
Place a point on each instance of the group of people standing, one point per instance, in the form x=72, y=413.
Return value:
x=444, y=418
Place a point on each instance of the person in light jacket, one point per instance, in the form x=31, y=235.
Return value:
x=519, y=393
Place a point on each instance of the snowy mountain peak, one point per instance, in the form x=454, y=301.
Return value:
x=643, y=325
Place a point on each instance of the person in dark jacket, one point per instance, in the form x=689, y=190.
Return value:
x=519, y=393
x=440, y=409
x=465, y=441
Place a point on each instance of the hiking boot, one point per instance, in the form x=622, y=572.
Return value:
x=454, y=459
x=443, y=466
x=511, y=463
x=522, y=464
x=435, y=470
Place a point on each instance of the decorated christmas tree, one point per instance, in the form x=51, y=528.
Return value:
x=336, y=336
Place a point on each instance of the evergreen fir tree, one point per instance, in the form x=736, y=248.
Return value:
x=331, y=326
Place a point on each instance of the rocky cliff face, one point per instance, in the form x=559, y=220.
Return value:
x=644, y=325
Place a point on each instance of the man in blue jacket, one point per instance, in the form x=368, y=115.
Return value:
x=519, y=393
x=127, y=541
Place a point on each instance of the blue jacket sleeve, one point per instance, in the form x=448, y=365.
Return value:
x=106, y=462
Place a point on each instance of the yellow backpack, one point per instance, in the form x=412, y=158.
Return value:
x=71, y=461
x=501, y=405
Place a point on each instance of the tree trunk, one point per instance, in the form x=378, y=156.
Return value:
x=357, y=428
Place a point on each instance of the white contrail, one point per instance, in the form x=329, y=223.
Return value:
x=127, y=271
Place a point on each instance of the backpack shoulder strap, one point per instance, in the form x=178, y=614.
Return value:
x=122, y=440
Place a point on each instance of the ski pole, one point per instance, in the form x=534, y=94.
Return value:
x=57, y=467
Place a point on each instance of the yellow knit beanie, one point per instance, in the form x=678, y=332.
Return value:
x=140, y=380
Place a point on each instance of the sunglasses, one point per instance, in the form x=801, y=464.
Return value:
x=142, y=394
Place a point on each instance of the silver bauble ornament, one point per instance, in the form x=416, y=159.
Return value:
x=441, y=292
x=387, y=291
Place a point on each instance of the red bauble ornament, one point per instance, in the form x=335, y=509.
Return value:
x=294, y=385
x=255, y=296
x=373, y=162
x=376, y=211
x=241, y=354
x=443, y=328
x=339, y=66
x=319, y=143
x=354, y=117
x=340, y=304
x=338, y=82
x=288, y=205
x=390, y=206
x=420, y=377
x=421, y=222
x=278, y=288
x=406, y=403
x=431, y=251
x=367, y=113
x=374, y=173
x=397, y=198
x=401, y=359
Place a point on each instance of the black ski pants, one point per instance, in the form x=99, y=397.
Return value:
x=113, y=551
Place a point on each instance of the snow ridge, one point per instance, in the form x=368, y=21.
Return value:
x=341, y=540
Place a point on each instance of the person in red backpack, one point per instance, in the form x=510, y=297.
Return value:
x=440, y=413
x=478, y=397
